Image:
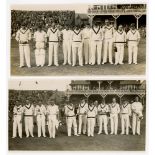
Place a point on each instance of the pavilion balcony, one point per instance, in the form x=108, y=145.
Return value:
x=117, y=11
x=109, y=91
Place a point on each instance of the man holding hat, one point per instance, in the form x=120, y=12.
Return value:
x=108, y=31
x=52, y=112
x=133, y=39
x=119, y=44
x=71, y=119
x=17, y=119
x=23, y=37
x=137, y=115
x=40, y=38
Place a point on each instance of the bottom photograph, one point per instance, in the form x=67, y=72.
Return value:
x=77, y=115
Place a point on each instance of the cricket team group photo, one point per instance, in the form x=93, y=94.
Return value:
x=83, y=41
x=77, y=77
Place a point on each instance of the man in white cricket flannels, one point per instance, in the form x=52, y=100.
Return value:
x=119, y=43
x=76, y=38
x=137, y=115
x=53, y=112
x=103, y=109
x=97, y=117
x=66, y=35
x=40, y=113
x=108, y=31
x=114, y=110
x=17, y=119
x=86, y=44
x=65, y=110
x=82, y=111
x=71, y=119
x=91, y=116
x=23, y=36
x=96, y=36
x=125, y=111
x=28, y=110
x=133, y=39
x=40, y=38
x=53, y=34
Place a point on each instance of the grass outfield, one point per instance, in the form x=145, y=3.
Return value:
x=63, y=143
x=86, y=70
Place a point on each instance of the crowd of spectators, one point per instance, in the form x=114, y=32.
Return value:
x=33, y=18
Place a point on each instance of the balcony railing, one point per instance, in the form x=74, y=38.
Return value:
x=117, y=11
x=118, y=91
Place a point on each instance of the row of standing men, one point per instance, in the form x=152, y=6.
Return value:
x=87, y=44
x=87, y=114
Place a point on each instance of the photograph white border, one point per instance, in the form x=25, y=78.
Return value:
x=149, y=69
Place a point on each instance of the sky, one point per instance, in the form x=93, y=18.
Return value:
x=79, y=8
x=47, y=84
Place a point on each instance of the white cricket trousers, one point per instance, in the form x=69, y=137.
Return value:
x=125, y=123
x=132, y=52
x=41, y=125
x=90, y=56
x=67, y=51
x=17, y=125
x=24, y=52
x=86, y=50
x=107, y=50
x=91, y=125
x=52, y=126
x=119, y=55
x=82, y=124
x=114, y=123
x=103, y=120
x=29, y=126
x=135, y=124
x=96, y=47
x=77, y=49
x=71, y=121
x=53, y=52
x=40, y=53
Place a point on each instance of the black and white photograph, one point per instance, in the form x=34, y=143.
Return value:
x=77, y=115
x=77, y=77
x=77, y=39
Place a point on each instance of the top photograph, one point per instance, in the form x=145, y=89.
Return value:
x=77, y=39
